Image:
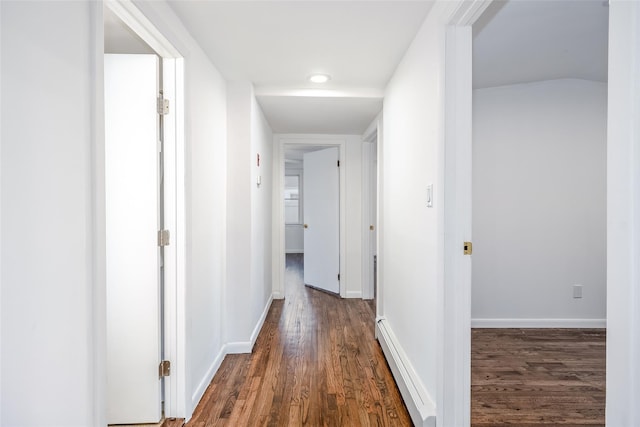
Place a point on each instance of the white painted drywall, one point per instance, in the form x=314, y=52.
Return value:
x=259, y=295
x=539, y=203
x=293, y=238
x=409, y=267
x=47, y=132
x=249, y=216
x=239, y=182
x=354, y=217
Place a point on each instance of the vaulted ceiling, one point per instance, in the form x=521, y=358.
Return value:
x=522, y=41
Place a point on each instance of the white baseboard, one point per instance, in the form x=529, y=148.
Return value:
x=353, y=294
x=538, y=323
x=229, y=348
x=263, y=317
x=294, y=251
x=208, y=377
x=419, y=404
x=240, y=347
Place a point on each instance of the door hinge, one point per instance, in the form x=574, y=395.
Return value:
x=164, y=370
x=338, y=276
x=468, y=248
x=338, y=163
x=163, y=106
x=163, y=237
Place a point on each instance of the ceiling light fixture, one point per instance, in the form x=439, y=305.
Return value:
x=319, y=78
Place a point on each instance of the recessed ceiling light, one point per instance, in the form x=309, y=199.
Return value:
x=319, y=78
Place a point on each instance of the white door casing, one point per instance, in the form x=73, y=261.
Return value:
x=322, y=220
x=133, y=298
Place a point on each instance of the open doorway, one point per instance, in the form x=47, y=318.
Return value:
x=538, y=281
x=312, y=215
x=370, y=284
x=143, y=81
x=302, y=144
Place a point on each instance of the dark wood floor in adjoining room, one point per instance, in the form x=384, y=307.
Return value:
x=316, y=363
x=534, y=377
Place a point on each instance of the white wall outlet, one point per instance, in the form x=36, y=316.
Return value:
x=577, y=291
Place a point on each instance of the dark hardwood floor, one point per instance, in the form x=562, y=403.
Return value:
x=316, y=362
x=533, y=377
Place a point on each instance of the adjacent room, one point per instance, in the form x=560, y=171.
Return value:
x=539, y=213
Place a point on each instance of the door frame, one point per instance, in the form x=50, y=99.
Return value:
x=454, y=377
x=623, y=221
x=279, y=257
x=174, y=210
x=371, y=141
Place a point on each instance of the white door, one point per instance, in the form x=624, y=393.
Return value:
x=133, y=298
x=321, y=192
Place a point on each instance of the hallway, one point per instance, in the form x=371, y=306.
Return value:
x=316, y=362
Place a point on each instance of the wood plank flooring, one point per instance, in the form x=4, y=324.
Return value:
x=533, y=377
x=315, y=363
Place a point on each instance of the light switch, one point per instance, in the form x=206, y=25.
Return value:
x=430, y=195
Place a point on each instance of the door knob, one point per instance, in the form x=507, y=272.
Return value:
x=306, y=226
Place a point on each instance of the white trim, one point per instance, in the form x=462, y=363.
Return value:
x=229, y=348
x=454, y=332
x=208, y=377
x=240, y=347
x=371, y=132
x=263, y=317
x=379, y=220
x=175, y=298
x=278, y=226
x=136, y=21
x=623, y=216
x=180, y=240
x=98, y=233
x=538, y=323
x=353, y=294
x=419, y=404
x=367, y=262
x=370, y=144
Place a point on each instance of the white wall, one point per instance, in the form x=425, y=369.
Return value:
x=409, y=160
x=248, y=290
x=353, y=231
x=539, y=204
x=294, y=239
x=261, y=216
x=46, y=259
x=48, y=78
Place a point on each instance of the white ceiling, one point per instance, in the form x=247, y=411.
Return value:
x=278, y=44
x=523, y=41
